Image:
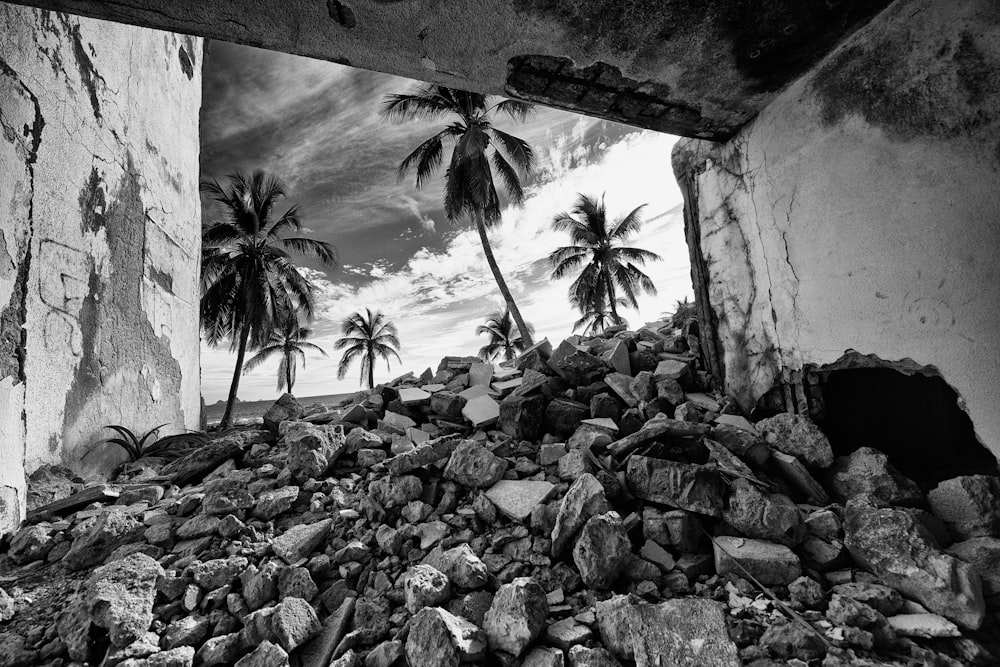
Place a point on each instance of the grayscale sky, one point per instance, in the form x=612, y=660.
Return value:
x=315, y=125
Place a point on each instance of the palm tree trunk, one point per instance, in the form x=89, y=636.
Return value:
x=227, y=417
x=611, y=295
x=371, y=366
x=501, y=283
x=288, y=371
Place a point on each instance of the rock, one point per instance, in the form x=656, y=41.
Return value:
x=517, y=498
x=927, y=626
x=447, y=404
x=425, y=454
x=319, y=651
x=805, y=593
x=440, y=639
x=286, y=408
x=385, y=654
x=798, y=436
x=622, y=386
x=685, y=486
x=481, y=411
x=675, y=632
x=581, y=656
x=522, y=417
x=516, y=617
x=574, y=464
x=567, y=633
x=969, y=506
x=293, y=622
x=563, y=416
x=29, y=544
x=867, y=471
x=795, y=473
x=412, y=397
x=788, y=640
x=186, y=631
x=110, y=531
x=657, y=555
x=473, y=465
x=983, y=553
x=359, y=439
x=296, y=582
x=260, y=586
x=480, y=374
x=551, y=453
x=396, y=423
x=265, y=655
x=891, y=544
x=221, y=650
x=200, y=525
x=312, y=449
x=744, y=443
x=396, y=492
x=218, y=572
x=887, y=601
x=678, y=529
x=299, y=541
x=602, y=551
x=767, y=516
x=576, y=366
x=584, y=499
x=271, y=503
x=772, y=564
x=425, y=586
x=461, y=565
x=117, y=597
x=543, y=656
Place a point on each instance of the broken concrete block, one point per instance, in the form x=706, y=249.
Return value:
x=767, y=516
x=473, y=465
x=867, y=471
x=517, y=498
x=682, y=485
x=795, y=473
x=480, y=374
x=772, y=564
x=522, y=417
x=895, y=547
x=602, y=551
x=927, y=626
x=983, y=553
x=584, y=499
x=412, y=397
x=437, y=638
x=969, y=505
x=516, y=617
x=798, y=436
x=481, y=411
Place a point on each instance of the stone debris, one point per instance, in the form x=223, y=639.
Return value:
x=596, y=504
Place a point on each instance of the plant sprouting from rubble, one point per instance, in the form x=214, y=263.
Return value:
x=145, y=445
x=505, y=339
x=470, y=188
x=610, y=274
x=290, y=343
x=248, y=278
x=683, y=312
x=367, y=336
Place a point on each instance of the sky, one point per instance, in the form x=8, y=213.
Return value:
x=315, y=125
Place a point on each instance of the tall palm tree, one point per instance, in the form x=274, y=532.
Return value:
x=290, y=342
x=369, y=337
x=470, y=188
x=610, y=270
x=505, y=337
x=248, y=278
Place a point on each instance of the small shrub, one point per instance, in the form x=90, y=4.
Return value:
x=138, y=447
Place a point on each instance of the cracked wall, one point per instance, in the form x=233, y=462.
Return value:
x=99, y=241
x=860, y=211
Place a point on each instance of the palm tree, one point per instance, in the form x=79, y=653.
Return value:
x=505, y=337
x=470, y=188
x=369, y=338
x=610, y=272
x=290, y=342
x=596, y=317
x=248, y=278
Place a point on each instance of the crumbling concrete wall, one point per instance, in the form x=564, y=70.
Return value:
x=861, y=209
x=99, y=241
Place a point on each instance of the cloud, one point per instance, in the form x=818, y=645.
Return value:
x=438, y=296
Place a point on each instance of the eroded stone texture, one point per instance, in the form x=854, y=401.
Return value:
x=100, y=188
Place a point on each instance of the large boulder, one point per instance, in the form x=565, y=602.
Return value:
x=798, y=436
x=516, y=617
x=563, y=416
x=894, y=546
x=603, y=550
x=969, y=505
x=767, y=516
x=117, y=597
x=684, y=632
x=584, y=499
x=286, y=408
x=686, y=486
x=523, y=417
x=110, y=531
x=438, y=638
x=867, y=471
x=473, y=465
x=313, y=449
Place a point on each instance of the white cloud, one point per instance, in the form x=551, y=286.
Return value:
x=437, y=299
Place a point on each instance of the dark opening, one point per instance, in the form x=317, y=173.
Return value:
x=914, y=419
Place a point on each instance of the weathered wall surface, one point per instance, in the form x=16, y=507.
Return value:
x=861, y=210
x=99, y=237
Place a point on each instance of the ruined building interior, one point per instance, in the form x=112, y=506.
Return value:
x=839, y=184
x=840, y=172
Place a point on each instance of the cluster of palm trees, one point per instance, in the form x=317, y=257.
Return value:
x=254, y=296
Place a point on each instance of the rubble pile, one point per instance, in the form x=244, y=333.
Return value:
x=591, y=505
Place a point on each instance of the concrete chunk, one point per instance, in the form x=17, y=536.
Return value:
x=772, y=564
x=516, y=498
